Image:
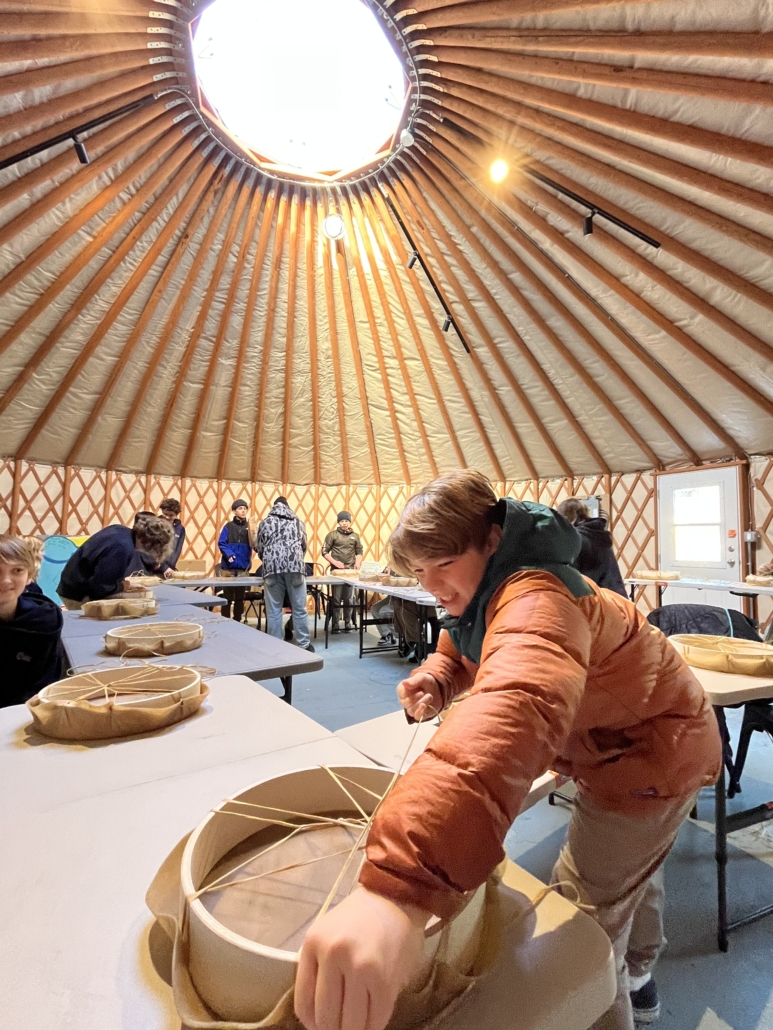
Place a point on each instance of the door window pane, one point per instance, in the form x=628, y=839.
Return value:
x=698, y=505
x=698, y=544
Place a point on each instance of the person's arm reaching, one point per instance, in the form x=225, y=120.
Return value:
x=440, y=832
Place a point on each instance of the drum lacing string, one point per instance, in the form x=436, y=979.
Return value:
x=314, y=822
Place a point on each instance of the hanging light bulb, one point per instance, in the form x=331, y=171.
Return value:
x=587, y=224
x=447, y=324
x=499, y=170
x=333, y=226
x=407, y=138
x=413, y=259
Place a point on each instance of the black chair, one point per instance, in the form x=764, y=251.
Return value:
x=707, y=619
x=254, y=600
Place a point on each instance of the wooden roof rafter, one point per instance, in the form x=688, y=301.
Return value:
x=223, y=193
x=148, y=261
x=179, y=160
x=431, y=316
x=347, y=205
x=511, y=226
x=252, y=192
x=442, y=203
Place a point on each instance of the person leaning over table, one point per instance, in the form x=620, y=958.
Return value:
x=343, y=549
x=30, y=623
x=170, y=509
x=562, y=675
x=100, y=565
x=236, y=543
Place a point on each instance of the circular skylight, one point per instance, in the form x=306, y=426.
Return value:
x=309, y=85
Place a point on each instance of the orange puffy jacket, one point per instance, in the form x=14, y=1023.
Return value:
x=585, y=686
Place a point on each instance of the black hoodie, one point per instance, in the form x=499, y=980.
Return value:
x=597, y=559
x=30, y=648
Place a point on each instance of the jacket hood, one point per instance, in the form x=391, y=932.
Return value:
x=38, y=614
x=595, y=530
x=533, y=537
x=282, y=511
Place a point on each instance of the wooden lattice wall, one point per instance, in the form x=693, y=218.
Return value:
x=48, y=499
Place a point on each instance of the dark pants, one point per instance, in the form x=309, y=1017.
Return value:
x=233, y=595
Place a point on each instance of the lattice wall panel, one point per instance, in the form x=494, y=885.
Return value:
x=633, y=523
x=761, y=474
x=6, y=493
x=44, y=499
x=85, y=509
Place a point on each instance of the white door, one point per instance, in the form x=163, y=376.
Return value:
x=699, y=533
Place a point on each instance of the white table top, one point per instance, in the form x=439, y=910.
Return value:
x=733, y=586
x=168, y=593
x=216, y=582
x=386, y=741
x=724, y=689
x=415, y=594
x=231, y=648
x=80, y=850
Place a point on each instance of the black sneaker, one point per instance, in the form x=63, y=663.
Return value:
x=310, y=647
x=348, y=627
x=646, y=1004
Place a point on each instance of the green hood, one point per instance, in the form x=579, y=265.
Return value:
x=533, y=537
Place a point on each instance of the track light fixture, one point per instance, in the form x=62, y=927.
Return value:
x=447, y=324
x=413, y=259
x=80, y=150
x=595, y=210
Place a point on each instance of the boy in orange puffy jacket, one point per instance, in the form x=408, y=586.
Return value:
x=563, y=675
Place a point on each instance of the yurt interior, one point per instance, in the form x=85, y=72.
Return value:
x=386, y=514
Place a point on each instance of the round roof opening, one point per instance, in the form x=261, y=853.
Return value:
x=310, y=88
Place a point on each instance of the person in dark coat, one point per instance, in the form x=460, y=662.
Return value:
x=30, y=624
x=596, y=559
x=100, y=565
x=170, y=510
x=236, y=543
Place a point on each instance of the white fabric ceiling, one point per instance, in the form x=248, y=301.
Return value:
x=169, y=308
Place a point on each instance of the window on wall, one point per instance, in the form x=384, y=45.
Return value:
x=698, y=524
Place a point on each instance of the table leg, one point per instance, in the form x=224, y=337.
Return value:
x=720, y=853
x=328, y=613
x=362, y=619
x=287, y=683
x=633, y=593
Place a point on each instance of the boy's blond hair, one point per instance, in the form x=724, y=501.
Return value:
x=446, y=517
x=22, y=550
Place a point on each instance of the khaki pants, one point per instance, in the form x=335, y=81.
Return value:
x=614, y=864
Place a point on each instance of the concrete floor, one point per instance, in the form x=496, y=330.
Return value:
x=700, y=988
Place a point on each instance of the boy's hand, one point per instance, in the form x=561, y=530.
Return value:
x=355, y=961
x=418, y=694
x=167, y=573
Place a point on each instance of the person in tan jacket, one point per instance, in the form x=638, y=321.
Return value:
x=562, y=675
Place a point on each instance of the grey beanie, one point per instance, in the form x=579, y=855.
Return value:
x=239, y=503
x=344, y=516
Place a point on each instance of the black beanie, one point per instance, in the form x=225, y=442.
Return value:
x=344, y=516
x=281, y=500
x=239, y=503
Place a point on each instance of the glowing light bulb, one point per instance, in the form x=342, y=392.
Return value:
x=498, y=170
x=333, y=226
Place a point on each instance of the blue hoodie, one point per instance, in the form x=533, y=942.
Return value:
x=30, y=648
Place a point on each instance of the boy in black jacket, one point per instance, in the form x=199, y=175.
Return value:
x=30, y=623
x=99, y=567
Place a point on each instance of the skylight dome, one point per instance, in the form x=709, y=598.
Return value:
x=309, y=87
